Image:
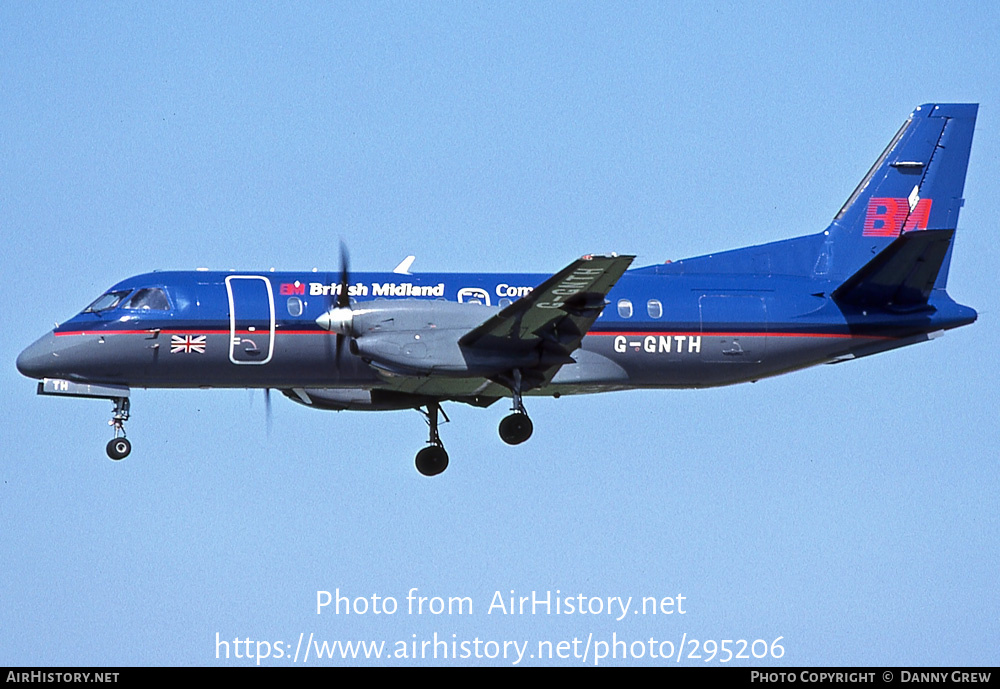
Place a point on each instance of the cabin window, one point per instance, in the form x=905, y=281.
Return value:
x=107, y=301
x=294, y=306
x=149, y=299
x=624, y=308
x=654, y=308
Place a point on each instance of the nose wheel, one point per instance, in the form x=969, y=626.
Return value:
x=119, y=447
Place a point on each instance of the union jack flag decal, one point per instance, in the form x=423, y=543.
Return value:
x=187, y=344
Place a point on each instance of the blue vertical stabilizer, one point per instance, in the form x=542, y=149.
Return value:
x=916, y=184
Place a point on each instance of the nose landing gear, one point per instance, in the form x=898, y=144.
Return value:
x=119, y=447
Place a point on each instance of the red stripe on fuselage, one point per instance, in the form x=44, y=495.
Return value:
x=600, y=333
x=202, y=331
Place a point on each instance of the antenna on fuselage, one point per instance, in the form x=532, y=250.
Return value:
x=404, y=267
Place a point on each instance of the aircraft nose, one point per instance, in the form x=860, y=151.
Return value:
x=39, y=359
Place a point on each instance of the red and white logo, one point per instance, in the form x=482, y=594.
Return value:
x=292, y=288
x=889, y=217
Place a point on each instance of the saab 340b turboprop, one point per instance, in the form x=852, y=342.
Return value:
x=872, y=281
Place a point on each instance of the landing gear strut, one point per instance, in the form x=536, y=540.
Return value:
x=433, y=459
x=517, y=427
x=119, y=447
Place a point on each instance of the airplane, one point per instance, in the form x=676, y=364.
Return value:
x=874, y=280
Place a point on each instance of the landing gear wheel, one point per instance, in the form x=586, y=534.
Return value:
x=119, y=448
x=432, y=460
x=516, y=428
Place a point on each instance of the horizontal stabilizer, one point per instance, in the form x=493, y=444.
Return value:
x=902, y=275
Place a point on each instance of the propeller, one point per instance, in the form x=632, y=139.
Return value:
x=267, y=410
x=340, y=317
x=343, y=300
x=267, y=407
x=345, y=260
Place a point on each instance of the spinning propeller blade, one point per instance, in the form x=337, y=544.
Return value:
x=343, y=300
x=267, y=410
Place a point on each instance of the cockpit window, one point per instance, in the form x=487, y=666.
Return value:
x=107, y=301
x=149, y=299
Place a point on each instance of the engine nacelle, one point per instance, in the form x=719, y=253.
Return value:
x=422, y=353
x=420, y=337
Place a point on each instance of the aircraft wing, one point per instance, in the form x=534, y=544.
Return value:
x=554, y=317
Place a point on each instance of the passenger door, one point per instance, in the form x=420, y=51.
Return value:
x=251, y=319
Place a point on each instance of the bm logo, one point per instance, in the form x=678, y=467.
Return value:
x=292, y=288
x=890, y=217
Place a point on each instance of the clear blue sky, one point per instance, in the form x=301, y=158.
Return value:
x=850, y=510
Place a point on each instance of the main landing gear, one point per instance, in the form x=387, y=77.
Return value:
x=119, y=446
x=517, y=427
x=433, y=459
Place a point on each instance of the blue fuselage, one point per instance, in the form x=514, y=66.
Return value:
x=219, y=329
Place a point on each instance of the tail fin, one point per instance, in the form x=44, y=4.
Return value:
x=916, y=184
